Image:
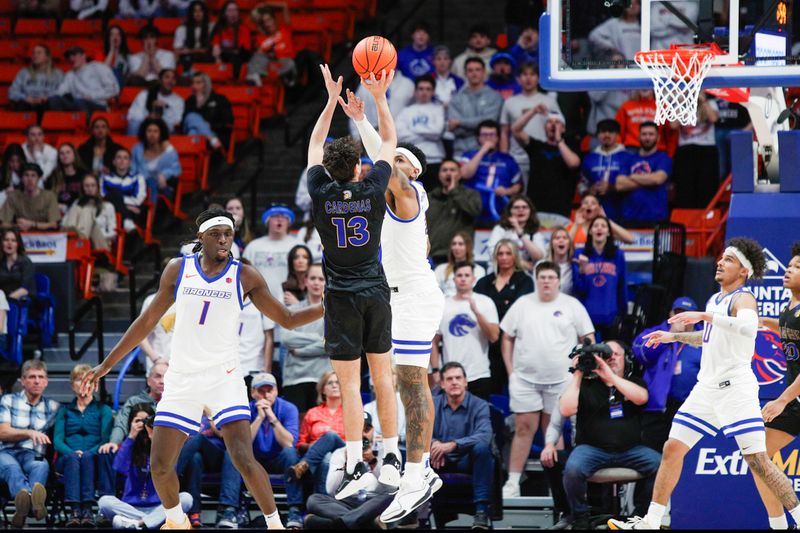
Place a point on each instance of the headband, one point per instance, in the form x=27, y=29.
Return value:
x=411, y=158
x=277, y=210
x=732, y=250
x=216, y=221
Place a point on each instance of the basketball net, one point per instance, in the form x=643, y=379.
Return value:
x=677, y=75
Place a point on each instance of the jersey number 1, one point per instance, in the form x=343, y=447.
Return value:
x=358, y=227
x=204, y=312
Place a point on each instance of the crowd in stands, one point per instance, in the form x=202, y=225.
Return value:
x=502, y=155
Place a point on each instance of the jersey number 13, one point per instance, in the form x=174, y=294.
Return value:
x=352, y=232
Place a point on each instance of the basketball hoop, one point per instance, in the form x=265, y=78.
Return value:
x=678, y=75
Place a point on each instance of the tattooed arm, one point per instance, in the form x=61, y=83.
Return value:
x=693, y=338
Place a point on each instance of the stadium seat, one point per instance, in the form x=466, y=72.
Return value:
x=16, y=121
x=126, y=97
x=3, y=96
x=126, y=141
x=194, y=164
x=219, y=73
x=8, y=7
x=117, y=120
x=131, y=27
x=12, y=51
x=319, y=42
x=35, y=27
x=44, y=320
x=8, y=71
x=17, y=326
x=271, y=96
x=74, y=140
x=167, y=26
x=70, y=122
x=246, y=113
x=5, y=25
x=81, y=28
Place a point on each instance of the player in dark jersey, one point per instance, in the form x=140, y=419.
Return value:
x=782, y=415
x=348, y=214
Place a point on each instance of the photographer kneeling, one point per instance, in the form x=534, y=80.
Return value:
x=608, y=402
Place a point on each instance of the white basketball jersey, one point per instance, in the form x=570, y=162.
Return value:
x=404, y=248
x=207, y=317
x=726, y=354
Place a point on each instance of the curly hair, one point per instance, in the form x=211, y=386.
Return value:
x=753, y=252
x=796, y=249
x=340, y=158
x=419, y=154
x=208, y=214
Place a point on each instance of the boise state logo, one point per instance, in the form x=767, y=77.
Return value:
x=599, y=280
x=461, y=324
x=769, y=363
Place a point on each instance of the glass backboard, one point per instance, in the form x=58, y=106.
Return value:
x=583, y=46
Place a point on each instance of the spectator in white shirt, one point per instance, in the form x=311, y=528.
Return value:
x=468, y=325
x=159, y=101
x=422, y=124
x=622, y=34
x=39, y=152
x=447, y=83
x=87, y=87
x=88, y=9
x=478, y=42
x=539, y=332
x=147, y=64
x=270, y=253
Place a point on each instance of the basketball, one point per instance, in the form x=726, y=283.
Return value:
x=374, y=54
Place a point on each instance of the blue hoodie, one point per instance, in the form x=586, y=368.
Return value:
x=139, y=489
x=659, y=369
x=603, y=290
x=415, y=63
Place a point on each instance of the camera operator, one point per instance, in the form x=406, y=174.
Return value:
x=608, y=401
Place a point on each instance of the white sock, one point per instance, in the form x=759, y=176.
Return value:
x=176, y=514
x=413, y=473
x=390, y=445
x=655, y=514
x=354, y=454
x=426, y=459
x=778, y=522
x=795, y=515
x=273, y=520
x=514, y=477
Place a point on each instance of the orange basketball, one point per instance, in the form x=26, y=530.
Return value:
x=374, y=54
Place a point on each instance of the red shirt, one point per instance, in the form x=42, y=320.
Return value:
x=229, y=40
x=633, y=113
x=278, y=44
x=318, y=421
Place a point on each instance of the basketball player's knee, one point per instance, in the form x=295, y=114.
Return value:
x=160, y=466
x=674, y=450
x=241, y=456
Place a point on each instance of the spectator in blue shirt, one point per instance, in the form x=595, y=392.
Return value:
x=139, y=506
x=462, y=438
x=670, y=372
x=602, y=165
x=25, y=418
x=502, y=78
x=644, y=183
x=416, y=59
x=494, y=174
x=526, y=49
x=81, y=427
x=598, y=278
x=275, y=427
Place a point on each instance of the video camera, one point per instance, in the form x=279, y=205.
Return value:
x=585, y=353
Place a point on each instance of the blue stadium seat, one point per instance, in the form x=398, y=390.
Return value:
x=17, y=328
x=44, y=318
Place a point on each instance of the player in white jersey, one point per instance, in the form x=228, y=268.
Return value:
x=417, y=306
x=725, y=397
x=209, y=289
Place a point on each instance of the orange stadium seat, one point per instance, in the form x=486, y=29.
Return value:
x=117, y=120
x=15, y=122
x=126, y=141
x=219, y=73
x=35, y=27
x=8, y=7
x=127, y=96
x=74, y=140
x=3, y=96
x=81, y=28
x=319, y=42
x=131, y=27
x=12, y=51
x=167, y=26
x=194, y=165
x=246, y=114
x=5, y=26
x=8, y=71
x=69, y=122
